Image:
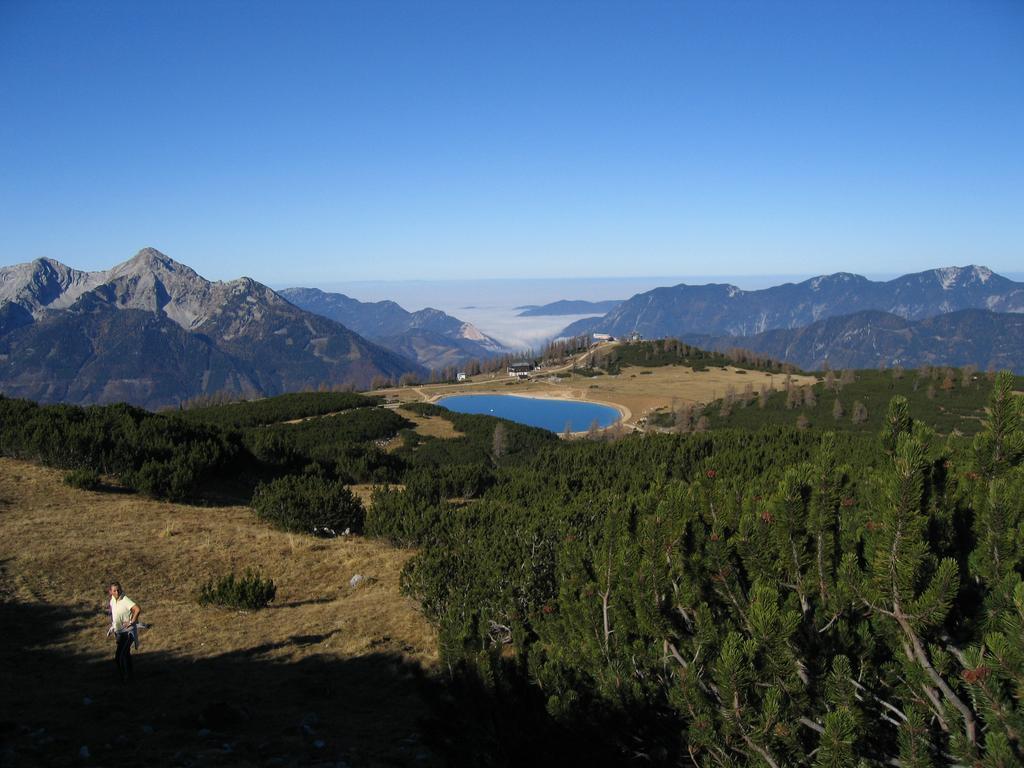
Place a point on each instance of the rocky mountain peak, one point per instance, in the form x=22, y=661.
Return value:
x=150, y=255
x=950, y=277
x=44, y=284
x=953, y=278
x=835, y=279
x=150, y=261
x=970, y=274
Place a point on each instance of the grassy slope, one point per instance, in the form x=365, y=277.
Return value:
x=344, y=661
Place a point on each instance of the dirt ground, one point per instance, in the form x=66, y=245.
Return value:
x=327, y=673
x=636, y=391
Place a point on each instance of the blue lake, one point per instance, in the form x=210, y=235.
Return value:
x=546, y=414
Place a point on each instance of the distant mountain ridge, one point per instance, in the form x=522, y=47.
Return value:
x=569, y=307
x=152, y=332
x=871, y=338
x=429, y=336
x=720, y=309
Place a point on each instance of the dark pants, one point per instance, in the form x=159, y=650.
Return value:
x=123, y=657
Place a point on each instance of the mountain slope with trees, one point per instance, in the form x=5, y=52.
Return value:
x=870, y=339
x=752, y=598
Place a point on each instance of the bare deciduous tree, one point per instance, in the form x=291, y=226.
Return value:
x=794, y=397
x=860, y=412
x=498, y=442
x=810, y=399
x=684, y=418
x=967, y=375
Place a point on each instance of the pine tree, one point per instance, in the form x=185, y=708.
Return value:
x=995, y=666
x=1001, y=444
x=995, y=677
x=897, y=422
x=907, y=589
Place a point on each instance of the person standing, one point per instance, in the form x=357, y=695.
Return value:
x=124, y=618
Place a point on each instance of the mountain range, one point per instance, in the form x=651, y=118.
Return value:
x=152, y=332
x=573, y=307
x=721, y=309
x=429, y=336
x=872, y=338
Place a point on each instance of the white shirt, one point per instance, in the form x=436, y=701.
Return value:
x=120, y=612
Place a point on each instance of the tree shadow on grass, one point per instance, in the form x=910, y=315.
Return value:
x=244, y=708
x=231, y=709
x=300, y=603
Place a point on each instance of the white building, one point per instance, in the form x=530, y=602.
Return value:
x=520, y=370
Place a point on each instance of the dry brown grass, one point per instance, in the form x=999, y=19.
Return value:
x=432, y=426
x=60, y=546
x=428, y=426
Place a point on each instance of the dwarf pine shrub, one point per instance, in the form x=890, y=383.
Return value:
x=250, y=591
x=308, y=504
x=86, y=479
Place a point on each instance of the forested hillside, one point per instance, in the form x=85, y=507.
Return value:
x=946, y=399
x=737, y=597
x=780, y=597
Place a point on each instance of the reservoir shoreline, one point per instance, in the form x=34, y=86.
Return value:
x=621, y=412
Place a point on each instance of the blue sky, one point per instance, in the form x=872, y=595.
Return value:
x=307, y=142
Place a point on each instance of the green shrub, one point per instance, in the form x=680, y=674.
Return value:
x=405, y=518
x=162, y=456
x=86, y=479
x=274, y=410
x=308, y=504
x=251, y=591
